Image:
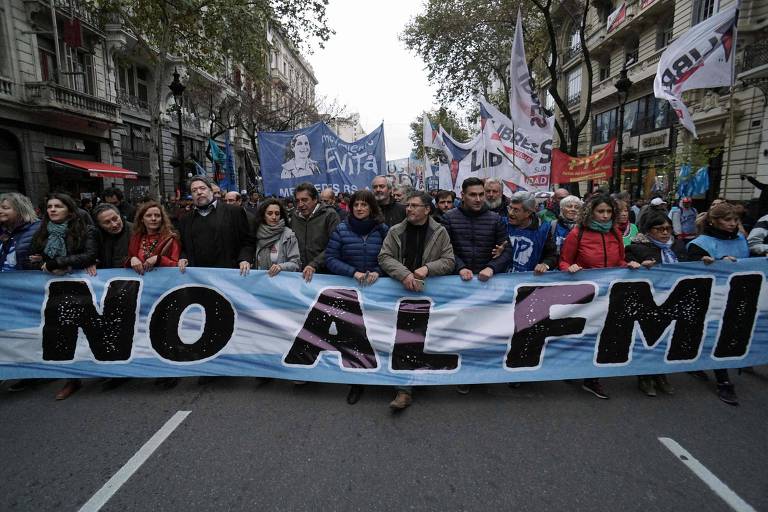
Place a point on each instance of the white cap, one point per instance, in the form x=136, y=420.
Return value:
x=657, y=201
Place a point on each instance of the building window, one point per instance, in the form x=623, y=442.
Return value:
x=664, y=32
x=574, y=46
x=605, y=127
x=702, y=9
x=632, y=50
x=605, y=69
x=573, y=93
x=5, y=49
x=133, y=83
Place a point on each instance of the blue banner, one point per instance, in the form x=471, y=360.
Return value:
x=515, y=327
x=318, y=156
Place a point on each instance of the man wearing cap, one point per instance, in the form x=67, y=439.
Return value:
x=529, y=240
x=657, y=204
x=552, y=210
x=684, y=220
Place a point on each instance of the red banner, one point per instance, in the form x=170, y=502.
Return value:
x=597, y=166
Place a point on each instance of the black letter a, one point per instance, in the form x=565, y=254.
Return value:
x=341, y=307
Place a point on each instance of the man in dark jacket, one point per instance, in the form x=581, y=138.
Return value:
x=494, y=197
x=114, y=196
x=215, y=234
x=475, y=232
x=114, y=236
x=313, y=223
x=394, y=212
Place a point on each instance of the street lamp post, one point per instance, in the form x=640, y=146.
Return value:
x=623, y=84
x=177, y=89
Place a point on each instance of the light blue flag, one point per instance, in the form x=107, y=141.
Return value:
x=217, y=155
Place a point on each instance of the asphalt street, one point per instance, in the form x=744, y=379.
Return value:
x=543, y=446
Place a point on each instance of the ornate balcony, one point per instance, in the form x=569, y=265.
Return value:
x=48, y=95
x=6, y=87
x=132, y=102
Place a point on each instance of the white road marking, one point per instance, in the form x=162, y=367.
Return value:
x=714, y=483
x=113, y=485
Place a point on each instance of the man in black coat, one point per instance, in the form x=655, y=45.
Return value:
x=394, y=212
x=475, y=231
x=214, y=234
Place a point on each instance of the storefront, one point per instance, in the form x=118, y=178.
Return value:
x=82, y=178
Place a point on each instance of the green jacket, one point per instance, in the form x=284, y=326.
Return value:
x=313, y=234
x=437, y=256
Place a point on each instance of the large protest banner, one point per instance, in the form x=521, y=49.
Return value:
x=515, y=327
x=318, y=156
x=570, y=169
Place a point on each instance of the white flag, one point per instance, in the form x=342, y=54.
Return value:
x=527, y=149
x=701, y=58
x=524, y=105
x=431, y=137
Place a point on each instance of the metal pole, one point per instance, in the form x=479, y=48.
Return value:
x=620, y=149
x=181, y=148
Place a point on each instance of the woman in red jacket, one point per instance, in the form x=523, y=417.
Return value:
x=154, y=243
x=595, y=243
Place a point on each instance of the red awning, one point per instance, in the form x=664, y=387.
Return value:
x=95, y=169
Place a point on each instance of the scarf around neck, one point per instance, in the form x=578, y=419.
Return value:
x=361, y=226
x=667, y=254
x=267, y=236
x=601, y=227
x=56, y=245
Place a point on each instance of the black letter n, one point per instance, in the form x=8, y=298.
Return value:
x=70, y=306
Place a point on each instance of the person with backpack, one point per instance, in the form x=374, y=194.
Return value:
x=595, y=243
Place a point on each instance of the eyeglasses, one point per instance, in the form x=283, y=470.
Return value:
x=662, y=229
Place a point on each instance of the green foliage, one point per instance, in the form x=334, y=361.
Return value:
x=465, y=45
x=440, y=117
x=206, y=34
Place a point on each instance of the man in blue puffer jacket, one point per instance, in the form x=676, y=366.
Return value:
x=475, y=231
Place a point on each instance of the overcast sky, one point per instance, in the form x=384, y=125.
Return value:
x=365, y=67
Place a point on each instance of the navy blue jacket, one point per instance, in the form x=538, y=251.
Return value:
x=474, y=236
x=18, y=243
x=348, y=252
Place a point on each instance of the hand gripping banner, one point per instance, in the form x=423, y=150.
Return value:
x=516, y=327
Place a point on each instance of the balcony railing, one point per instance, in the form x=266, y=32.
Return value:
x=6, y=87
x=756, y=55
x=571, y=52
x=75, y=8
x=132, y=102
x=572, y=101
x=51, y=95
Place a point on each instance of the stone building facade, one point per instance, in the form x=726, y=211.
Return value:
x=76, y=90
x=733, y=131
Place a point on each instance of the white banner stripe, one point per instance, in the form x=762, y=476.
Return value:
x=714, y=483
x=113, y=485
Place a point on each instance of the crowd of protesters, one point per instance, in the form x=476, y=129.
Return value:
x=409, y=236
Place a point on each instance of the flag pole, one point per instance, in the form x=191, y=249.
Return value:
x=732, y=118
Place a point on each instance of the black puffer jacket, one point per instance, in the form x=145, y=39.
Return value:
x=474, y=236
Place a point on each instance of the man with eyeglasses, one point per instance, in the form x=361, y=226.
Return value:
x=414, y=250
